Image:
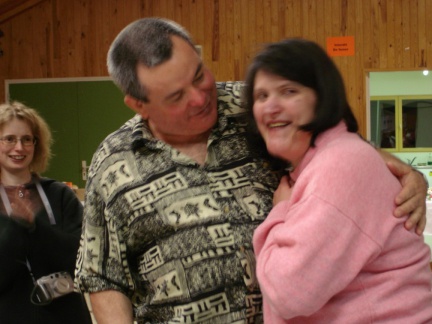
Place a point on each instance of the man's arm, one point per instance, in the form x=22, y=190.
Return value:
x=111, y=307
x=412, y=199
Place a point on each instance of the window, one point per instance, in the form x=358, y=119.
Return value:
x=401, y=123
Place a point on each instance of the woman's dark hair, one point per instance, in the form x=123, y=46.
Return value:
x=304, y=62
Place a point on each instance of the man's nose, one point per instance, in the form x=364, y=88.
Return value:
x=197, y=97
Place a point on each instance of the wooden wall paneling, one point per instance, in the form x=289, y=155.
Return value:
x=274, y=21
x=98, y=46
x=265, y=7
x=60, y=39
x=320, y=37
x=237, y=41
x=65, y=30
x=327, y=26
x=227, y=39
x=215, y=36
x=208, y=27
x=428, y=34
x=21, y=47
x=293, y=14
x=281, y=19
x=260, y=23
x=303, y=19
x=193, y=24
x=390, y=23
x=241, y=38
x=312, y=21
x=217, y=40
x=248, y=32
x=399, y=44
x=348, y=28
x=252, y=37
x=406, y=42
x=337, y=30
x=95, y=64
x=199, y=33
x=366, y=42
x=178, y=9
x=80, y=57
x=357, y=98
x=421, y=27
x=414, y=33
x=12, y=8
x=382, y=43
x=38, y=21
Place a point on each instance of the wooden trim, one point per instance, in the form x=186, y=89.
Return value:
x=11, y=8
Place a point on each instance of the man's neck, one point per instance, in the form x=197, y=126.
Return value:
x=193, y=146
x=196, y=151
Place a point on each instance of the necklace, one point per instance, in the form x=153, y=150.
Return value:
x=21, y=191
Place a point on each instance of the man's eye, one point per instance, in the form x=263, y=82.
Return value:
x=199, y=78
x=177, y=97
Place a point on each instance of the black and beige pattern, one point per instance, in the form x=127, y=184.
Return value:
x=174, y=236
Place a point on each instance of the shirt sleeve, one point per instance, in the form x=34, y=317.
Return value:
x=101, y=263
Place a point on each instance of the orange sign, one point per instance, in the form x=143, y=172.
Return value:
x=340, y=46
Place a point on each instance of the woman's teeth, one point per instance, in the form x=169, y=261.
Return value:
x=274, y=125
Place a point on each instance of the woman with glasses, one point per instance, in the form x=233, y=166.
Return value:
x=40, y=227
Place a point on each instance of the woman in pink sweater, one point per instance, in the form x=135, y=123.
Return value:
x=330, y=250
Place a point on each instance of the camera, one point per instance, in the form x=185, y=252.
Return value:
x=52, y=286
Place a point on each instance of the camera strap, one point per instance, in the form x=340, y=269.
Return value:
x=42, y=195
x=46, y=203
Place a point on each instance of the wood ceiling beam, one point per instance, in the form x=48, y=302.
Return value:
x=11, y=8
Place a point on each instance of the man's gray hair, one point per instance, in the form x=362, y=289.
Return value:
x=146, y=41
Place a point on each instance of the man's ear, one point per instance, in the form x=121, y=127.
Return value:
x=136, y=105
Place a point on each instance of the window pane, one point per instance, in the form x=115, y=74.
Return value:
x=383, y=123
x=416, y=123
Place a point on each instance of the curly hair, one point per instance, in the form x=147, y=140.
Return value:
x=39, y=128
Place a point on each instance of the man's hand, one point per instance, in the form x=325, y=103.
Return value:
x=412, y=199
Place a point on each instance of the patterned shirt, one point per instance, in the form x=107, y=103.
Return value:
x=173, y=235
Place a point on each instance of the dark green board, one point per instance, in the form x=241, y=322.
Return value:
x=80, y=114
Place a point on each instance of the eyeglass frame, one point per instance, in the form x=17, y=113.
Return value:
x=13, y=140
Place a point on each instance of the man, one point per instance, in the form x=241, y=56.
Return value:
x=174, y=195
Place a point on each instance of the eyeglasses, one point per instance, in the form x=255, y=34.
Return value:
x=12, y=140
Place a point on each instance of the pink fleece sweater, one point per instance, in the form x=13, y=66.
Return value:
x=334, y=252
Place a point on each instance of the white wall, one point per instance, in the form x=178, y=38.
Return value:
x=400, y=83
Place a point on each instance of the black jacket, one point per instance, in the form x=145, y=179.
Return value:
x=49, y=249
